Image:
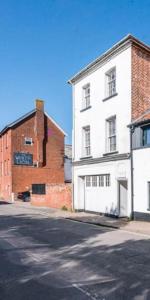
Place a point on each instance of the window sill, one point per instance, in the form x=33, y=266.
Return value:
x=86, y=108
x=110, y=153
x=86, y=157
x=141, y=147
x=107, y=98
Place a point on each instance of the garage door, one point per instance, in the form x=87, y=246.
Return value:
x=96, y=192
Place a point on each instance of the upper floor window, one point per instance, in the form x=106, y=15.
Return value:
x=86, y=96
x=111, y=82
x=111, y=134
x=146, y=135
x=28, y=141
x=86, y=141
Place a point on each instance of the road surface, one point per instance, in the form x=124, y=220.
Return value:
x=46, y=258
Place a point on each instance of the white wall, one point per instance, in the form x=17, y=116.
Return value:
x=105, y=198
x=141, y=165
x=119, y=105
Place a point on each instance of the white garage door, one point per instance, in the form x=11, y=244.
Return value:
x=97, y=193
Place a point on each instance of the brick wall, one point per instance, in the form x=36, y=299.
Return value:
x=57, y=196
x=52, y=170
x=47, y=149
x=5, y=166
x=140, y=82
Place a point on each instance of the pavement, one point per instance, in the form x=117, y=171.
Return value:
x=45, y=256
x=125, y=224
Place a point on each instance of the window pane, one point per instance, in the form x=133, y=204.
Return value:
x=87, y=148
x=113, y=143
x=111, y=138
x=108, y=180
x=101, y=180
x=88, y=181
x=111, y=82
x=94, y=180
x=86, y=96
x=146, y=136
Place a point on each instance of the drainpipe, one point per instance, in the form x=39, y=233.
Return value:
x=132, y=175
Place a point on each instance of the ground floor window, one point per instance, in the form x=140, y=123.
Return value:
x=102, y=180
x=88, y=181
x=94, y=180
x=108, y=180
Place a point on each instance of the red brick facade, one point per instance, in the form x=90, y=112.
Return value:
x=57, y=196
x=47, y=150
x=140, y=82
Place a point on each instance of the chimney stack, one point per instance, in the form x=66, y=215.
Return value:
x=39, y=104
x=39, y=130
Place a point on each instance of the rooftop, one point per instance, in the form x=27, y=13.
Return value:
x=127, y=40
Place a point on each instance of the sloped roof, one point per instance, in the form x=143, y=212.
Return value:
x=127, y=40
x=16, y=122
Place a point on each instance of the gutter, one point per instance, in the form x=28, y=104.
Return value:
x=129, y=39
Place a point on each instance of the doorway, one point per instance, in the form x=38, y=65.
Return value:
x=123, y=197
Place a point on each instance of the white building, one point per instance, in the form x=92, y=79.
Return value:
x=107, y=97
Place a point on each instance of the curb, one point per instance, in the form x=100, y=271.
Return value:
x=94, y=223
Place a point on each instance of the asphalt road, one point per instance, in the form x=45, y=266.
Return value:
x=46, y=258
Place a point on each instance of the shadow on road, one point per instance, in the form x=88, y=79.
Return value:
x=59, y=259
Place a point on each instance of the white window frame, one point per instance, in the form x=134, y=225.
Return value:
x=94, y=180
x=88, y=181
x=107, y=180
x=110, y=82
x=86, y=96
x=28, y=141
x=101, y=180
x=110, y=135
x=86, y=141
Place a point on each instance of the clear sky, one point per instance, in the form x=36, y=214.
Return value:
x=44, y=42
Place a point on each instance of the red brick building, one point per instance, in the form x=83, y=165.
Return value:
x=31, y=152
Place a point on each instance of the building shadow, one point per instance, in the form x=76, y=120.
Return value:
x=49, y=258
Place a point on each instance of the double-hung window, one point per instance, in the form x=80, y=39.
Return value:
x=86, y=96
x=86, y=141
x=111, y=82
x=111, y=134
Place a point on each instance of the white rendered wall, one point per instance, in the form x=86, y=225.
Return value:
x=141, y=165
x=103, y=198
x=96, y=116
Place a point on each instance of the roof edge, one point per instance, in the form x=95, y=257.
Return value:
x=55, y=123
x=17, y=121
x=7, y=127
x=122, y=43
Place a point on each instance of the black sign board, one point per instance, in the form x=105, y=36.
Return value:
x=23, y=159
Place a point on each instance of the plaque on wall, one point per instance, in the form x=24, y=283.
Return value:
x=23, y=159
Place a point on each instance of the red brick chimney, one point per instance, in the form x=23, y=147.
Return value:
x=39, y=130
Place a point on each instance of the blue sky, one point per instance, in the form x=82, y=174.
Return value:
x=44, y=42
